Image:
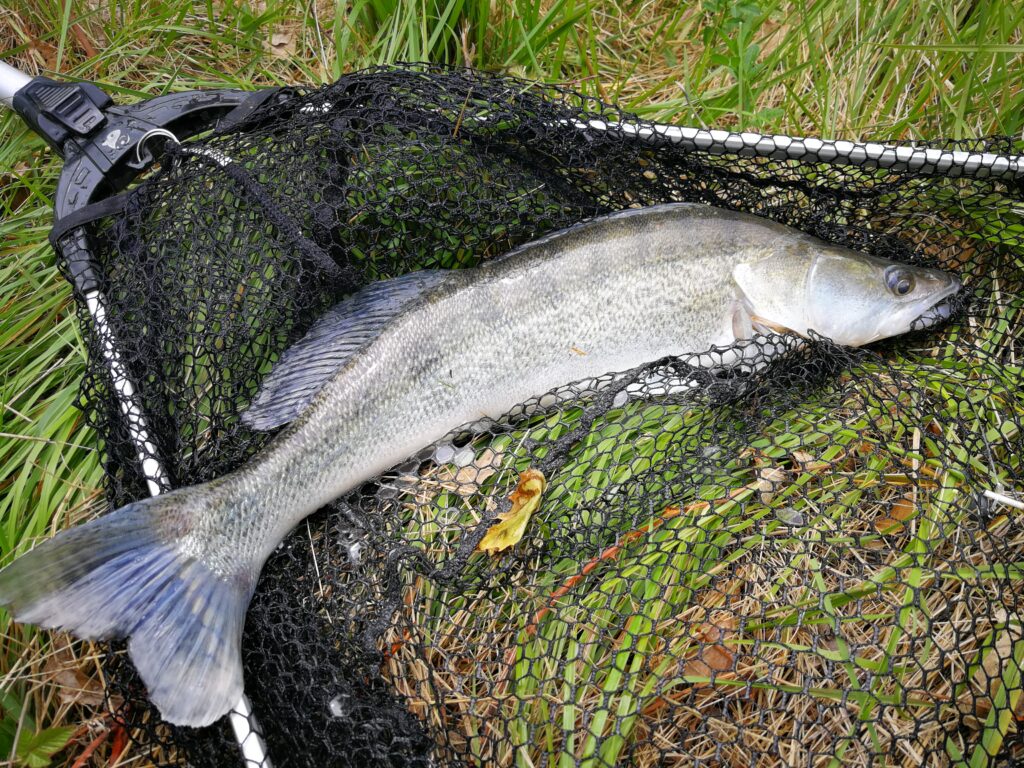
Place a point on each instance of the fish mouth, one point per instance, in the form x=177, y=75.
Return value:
x=945, y=305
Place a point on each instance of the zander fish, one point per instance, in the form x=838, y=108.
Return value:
x=404, y=362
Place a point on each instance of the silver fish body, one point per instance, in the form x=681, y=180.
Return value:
x=605, y=297
x=402, y=365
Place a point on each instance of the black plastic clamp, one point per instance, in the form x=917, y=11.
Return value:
x=58, y=111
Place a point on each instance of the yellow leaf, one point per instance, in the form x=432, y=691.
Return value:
x=525, y=500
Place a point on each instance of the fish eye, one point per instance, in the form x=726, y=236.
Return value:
x=900, y=281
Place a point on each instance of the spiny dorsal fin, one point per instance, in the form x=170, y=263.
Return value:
x=332, y=341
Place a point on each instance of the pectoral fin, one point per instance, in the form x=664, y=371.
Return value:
x=746, y=324
x=741, y=324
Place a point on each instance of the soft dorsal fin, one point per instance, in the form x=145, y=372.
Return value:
x=332, y=341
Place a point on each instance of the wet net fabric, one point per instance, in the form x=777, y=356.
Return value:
x=786, y=565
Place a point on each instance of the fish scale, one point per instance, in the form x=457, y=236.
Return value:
x=407, y=361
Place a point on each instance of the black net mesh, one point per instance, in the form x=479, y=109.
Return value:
x=789, y=567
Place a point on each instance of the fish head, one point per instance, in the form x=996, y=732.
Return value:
x=850, y=297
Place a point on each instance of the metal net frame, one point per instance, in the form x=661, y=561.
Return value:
x=815, y=561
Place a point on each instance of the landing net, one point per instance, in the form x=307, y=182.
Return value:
x=777, y=567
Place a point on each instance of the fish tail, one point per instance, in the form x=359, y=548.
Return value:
x=126, y=575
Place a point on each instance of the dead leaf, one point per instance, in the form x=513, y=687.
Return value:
x=697, y=668
x=74, y=684
x=790, y=517
x=720, y=626
x=468, y=479
x=769, y=482
x=712, y=660
x=282, y=43
x=525, y=500
x=889, y=526
x=809, y=463
x=902, y=509
x=44, y=53
x=713, y=655
x=718, y=657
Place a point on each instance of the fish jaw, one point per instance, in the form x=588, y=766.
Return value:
x=941, y=310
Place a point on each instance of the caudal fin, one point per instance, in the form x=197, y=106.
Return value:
x=124, y=576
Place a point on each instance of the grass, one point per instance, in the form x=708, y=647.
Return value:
x=868, y=69
x=709, y=602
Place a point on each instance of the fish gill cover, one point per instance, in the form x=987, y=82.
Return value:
x=783, y=566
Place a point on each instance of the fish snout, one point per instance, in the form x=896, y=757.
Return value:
x=944, y=305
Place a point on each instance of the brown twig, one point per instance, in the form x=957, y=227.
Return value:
x=83, y=758
x=119, y=743
x=84, y=41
